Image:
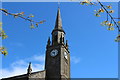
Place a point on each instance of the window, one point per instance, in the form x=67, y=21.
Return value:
x=56, y=38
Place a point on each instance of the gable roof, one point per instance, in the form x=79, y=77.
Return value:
x=38, y=74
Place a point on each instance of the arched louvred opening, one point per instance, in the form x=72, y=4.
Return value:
x=63, y=39
x=56, y=38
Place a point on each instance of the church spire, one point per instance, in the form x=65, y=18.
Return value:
x=58, y=31
x=58, y=24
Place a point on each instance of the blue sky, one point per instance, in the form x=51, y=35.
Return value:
x=92, y=47
x=55, y=0
x=0, y=39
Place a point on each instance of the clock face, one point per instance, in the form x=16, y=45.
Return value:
x=65, y=54
x=54, y=52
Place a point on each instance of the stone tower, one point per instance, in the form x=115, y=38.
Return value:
x=57, y=64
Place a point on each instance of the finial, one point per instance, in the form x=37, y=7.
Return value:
x=29, y=70
x=58, y=3
x=48, y=39
x=48, y=42
x=67, y=43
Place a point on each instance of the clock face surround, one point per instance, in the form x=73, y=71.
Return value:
x=54, y=53
x=65, y=55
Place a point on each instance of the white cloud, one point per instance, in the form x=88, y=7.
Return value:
x=20, y=67
x=13, y=71
x=39, y=58
x=75, y=59
x=19, y=63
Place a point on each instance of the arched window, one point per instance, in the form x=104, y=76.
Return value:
x=56, y=38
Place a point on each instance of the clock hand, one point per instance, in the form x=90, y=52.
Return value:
x=54, y=53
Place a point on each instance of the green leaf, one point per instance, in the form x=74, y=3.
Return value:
x=101, y=10
x=111, y=11
x=97, y=15
x=32, y=26
x=104, y=23
x=41, y=22
x=31, y=15
x=4, y=52
x=110, y=24
x=109, y=7
x=118, y=21
x=36, y=24
x=117, y=38
x=110, y=28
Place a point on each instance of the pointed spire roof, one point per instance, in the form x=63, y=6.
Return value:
x=58, y=24
x=29, y=70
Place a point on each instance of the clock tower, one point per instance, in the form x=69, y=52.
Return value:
x=57, y=63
